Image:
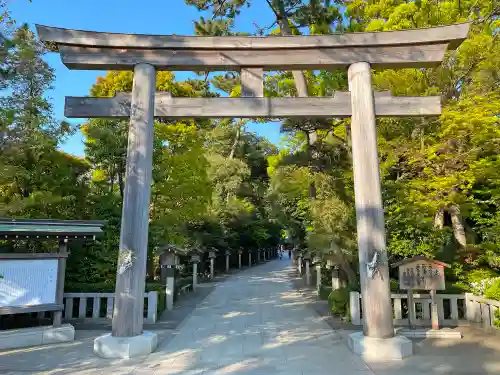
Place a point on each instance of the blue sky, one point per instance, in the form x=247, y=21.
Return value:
x=126, y=16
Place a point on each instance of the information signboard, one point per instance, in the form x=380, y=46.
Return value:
x=28, y=282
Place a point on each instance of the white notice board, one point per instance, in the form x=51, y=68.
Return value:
x=27, y=282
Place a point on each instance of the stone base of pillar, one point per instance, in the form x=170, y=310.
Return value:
x=369, y=348
x=107, y=346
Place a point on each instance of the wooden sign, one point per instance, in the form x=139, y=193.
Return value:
x=168, y=259
x=421, y=274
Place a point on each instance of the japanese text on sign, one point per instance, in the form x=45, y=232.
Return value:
x=421, y=275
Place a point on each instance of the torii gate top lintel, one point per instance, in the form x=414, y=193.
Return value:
x=90, y=50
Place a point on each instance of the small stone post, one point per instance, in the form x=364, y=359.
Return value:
x=317, y=262
x=318, y=277
x=307, y=259
x=239, y=258
x=211, y=255
x=249, y=258
x=299, y=262
x=228, y=254
x=195, y=259
x=375, y=290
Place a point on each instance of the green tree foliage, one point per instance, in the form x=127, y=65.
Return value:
x=36, y=178
x=217, y=185
x=439, y=176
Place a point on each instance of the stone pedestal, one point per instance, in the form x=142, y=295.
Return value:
x=369, y=348
x=249, y=259
x=107, y=346
x=443, y=333
x=21, y=338
x=299, y=260
x=239, y=259
x=227, y=262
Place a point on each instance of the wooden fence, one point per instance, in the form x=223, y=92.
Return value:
x=451, y=309
x=95, y=306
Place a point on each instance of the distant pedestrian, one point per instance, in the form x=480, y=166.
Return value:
x=281, y=254
x=289, y=254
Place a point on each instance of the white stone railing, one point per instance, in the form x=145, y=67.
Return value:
x=481, y=311
x=453, y=314
x=95, y=310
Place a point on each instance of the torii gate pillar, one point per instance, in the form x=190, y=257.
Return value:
x=375, y=289
x=127, y=338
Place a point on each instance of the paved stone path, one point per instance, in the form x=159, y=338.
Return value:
x=255, y=323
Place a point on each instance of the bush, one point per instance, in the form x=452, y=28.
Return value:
x=481, y=279
x=496, y=319
x=493, y=291
x=338, y=300
x=324, y=292
x=394, y=285
x=480, y=274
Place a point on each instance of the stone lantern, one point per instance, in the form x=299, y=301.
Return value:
x=195, y=259
x=168, y=262
x=212, y=255
x=332, y=265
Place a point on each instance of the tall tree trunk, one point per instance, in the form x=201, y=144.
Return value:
x=344, y=265
x=439, y=219
x=121, y=183
x=300, y=84
x=111, y=178
x=352, y=279
x=458, y=227
x=236, y=140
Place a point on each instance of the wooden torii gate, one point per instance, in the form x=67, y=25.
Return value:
x=251, y=56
